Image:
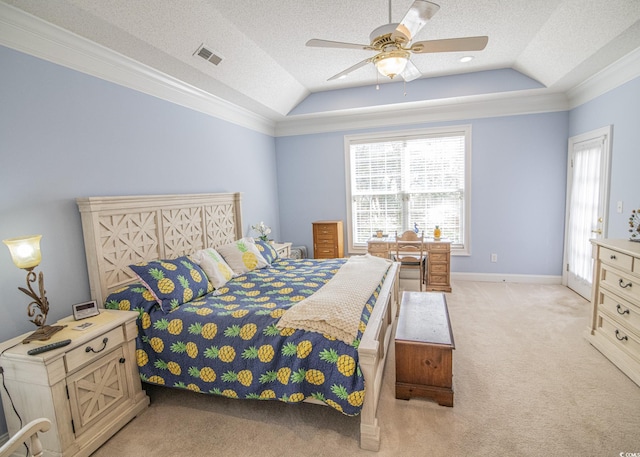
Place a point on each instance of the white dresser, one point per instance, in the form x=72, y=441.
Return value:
x=615, y=323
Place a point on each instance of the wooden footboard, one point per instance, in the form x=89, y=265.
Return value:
x=373, y=355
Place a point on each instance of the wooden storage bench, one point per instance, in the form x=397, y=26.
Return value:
x=424, y=348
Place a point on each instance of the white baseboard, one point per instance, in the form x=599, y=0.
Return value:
x=492, y=277
x=497, y=277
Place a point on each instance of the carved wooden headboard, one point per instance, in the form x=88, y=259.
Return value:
x=120, y=231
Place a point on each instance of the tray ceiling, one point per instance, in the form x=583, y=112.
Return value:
x=265, y=66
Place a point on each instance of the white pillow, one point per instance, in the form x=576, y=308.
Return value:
x=214, y=266
x=242, y=255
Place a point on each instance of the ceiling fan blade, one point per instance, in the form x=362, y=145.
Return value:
x=410, y=72
x=315, y=43
x=474, y=43
x=417, y=16
x=350, y=69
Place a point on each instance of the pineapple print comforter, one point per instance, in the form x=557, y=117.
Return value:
x=227, y=342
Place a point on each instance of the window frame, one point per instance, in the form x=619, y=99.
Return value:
x=402, y=135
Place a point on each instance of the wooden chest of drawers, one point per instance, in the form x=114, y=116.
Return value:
x=328, y=240
x=615, y=301
x=438, y=264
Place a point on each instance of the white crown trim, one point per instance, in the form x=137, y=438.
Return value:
x=29, y=34
x=615, y=75
x=451, y=109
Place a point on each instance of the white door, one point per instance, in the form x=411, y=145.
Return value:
x=587, y=205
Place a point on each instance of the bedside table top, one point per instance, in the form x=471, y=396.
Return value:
x=105, y=321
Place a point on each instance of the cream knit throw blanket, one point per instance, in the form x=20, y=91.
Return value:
x=335, y=309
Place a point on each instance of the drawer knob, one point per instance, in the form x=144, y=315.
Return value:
x=613, y=257
x=619, y=308
x=623, y=285
x=623, y=338
x=122, y=360
x=104, y=346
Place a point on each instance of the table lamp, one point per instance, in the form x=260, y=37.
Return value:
x=25, y=253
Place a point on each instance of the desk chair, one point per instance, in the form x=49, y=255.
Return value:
x=411, y=253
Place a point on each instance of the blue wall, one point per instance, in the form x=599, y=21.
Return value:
x=518, y=190
x=64, y=135
x=620, y=108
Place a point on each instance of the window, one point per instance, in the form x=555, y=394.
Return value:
x=397, y=181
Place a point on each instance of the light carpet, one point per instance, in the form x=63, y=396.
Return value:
x=526, y=383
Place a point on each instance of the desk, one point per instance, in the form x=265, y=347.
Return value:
x=438, y=274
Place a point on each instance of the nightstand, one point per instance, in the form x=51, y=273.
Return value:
x=283, y=249
x=89, y=389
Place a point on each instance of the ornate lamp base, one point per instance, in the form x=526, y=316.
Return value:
x=43, y=333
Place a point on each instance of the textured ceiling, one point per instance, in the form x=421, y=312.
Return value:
x=267, y=68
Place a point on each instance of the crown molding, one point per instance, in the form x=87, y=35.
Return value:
x=529, y=101
x=31, y=35
x=616, y=74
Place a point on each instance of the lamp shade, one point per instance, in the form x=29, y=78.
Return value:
x=25, y=251
x=391, y=64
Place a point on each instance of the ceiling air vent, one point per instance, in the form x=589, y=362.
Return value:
x=208, y=55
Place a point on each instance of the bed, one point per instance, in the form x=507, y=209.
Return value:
x=227, y=341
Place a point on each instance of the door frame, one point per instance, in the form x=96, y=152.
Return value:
x=606, y=175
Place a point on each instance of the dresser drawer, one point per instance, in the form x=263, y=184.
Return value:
x=93, y=349
x=437, y=257
x=378, y=247
x=327, y=230
x=446, y=247
x=621, y=310
x=321, y=241
x=440, y=280
x=438, y=268
x=617, y=259
x=325, y=253
x=620, y=283
x=619, y=335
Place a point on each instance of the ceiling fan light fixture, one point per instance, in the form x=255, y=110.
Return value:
x=392, y=63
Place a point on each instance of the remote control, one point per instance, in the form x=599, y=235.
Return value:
x=48, y=347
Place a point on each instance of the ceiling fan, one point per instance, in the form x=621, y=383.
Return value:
x=392, y=42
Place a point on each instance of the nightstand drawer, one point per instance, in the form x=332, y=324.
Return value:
x=93, y=349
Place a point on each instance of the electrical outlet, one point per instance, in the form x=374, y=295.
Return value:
x=619, y=207
x=494, y=257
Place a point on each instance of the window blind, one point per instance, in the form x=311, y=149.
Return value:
x=398, y=183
